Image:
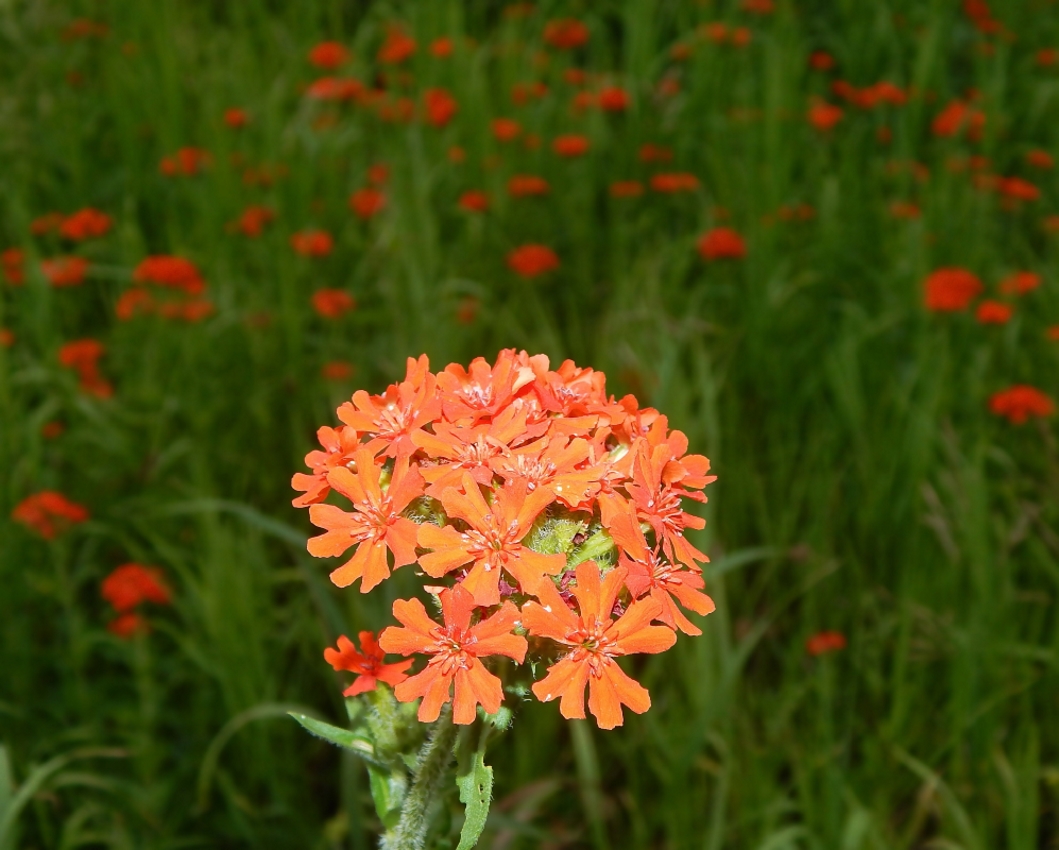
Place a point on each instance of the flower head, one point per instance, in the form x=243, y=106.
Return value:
x=951, y=290
x=367, y=664
x=49, y=513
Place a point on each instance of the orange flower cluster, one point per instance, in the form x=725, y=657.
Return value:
x=1020, y=402
x=951, y=289
x=721, y=243
x=65, y=271
x=85, y=224
x=176, y=276
x=185, y=162
x=532, y=260
x=312, y=243
x=128, y=587
x=13, y=261
x=82, y=356
x=49, y=513
x=548, y=517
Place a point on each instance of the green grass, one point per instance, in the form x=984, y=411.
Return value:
x=864, y=487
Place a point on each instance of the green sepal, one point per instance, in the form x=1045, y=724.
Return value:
x=344, y=738
x=475, y=781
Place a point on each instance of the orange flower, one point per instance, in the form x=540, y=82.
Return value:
x=398, y=47
x=52, y=430
x=721, y=243
x=12, y=261
x=1017, y=189
x=904, y=209
x=334, y=88
x=378, y=174
x=714, y=31
x=328, y=55
x=474, y=201
x=655, y=153
x=522, y=93
x=824, y=116
x=175, y=272
x=456, y=671
x=85, y=224
x=505, y=129
x=133, y=301
x=570, y=146
x=758, y=7
x=575, y=76
x=594, y=639
x=441, y=107
x=1019, y=283
x=626, y=189
x=338, y=447
x=1040, y=159
x=673, y=183
x=441, y=48
x=127, y=625
x=492, y=542
x=376, y=524
x=825, y=642
x=740, y=37
x=367, y=202
x=7, y=338
x=236, y=118
x=532, y=260
x=332, y=303
x=312, y=243
x=956, y=117
x=1053, y=333
x=46, y=223
x=613, y=99
x=49, y=513
x=132, y=584
x=467, y=310
x=1047, y=56
x=82, y=356
x=1020, y=402
x=993, y=313
x=186, y=162
x=525, y=185
x=65, y=271
x=951, y=290
x=821, y=60
x=336, y=370
x=367, y=664
x=253, y=219
x=566, y=33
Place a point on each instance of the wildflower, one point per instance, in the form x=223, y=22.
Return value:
x=12, y=260
x=474, y=201
x=1020, y=283
x=740, y=37
x=132, y=584
x=169, y=271
x=1020, y=402
x=1047, y=56
x=85, y=224
x=1040, y=159
x=467, y=310
x=758, y=7
x=904, y=209
x=328, y=55
x=532, y=260
x=655, y=153
x=956, y=116
x=376, y=521
x=336, y=370
x=397, y=48
x=1053, y=333
x=236, y=118
x=566, y=33
x=570, y=146
x=378, y=174
x=367, y=663
x=252, y=220
x=332, y=303
x=951, y=289
x=133, y=301
x=46, y=223
x=312, y=243
x=525, y=185
x=441, y=48
x=505, y=129
x=82, y=356
x=128, y=624
x=672, y=183
x=186, y=162
x=441, y=106
x=824, y=116
x=715, y=31
x=49, y=513
x=993, y=313
x=522, y=93
x=575, y=76
x=721, y=243
x=825, y=642
x=7, y=338
x=626, y=189
x=456, y=671
x=65, y=271
x=367, y=202
x=613, y=99
x=52, y=430
x=1017, y=189
x=334, y=88
x=593, y=640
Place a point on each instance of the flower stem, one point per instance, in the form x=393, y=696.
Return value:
x=433, y=774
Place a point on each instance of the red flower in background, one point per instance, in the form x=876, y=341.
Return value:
x=82, y=356
x=613, y=99
x=367, y=202
x=7, y=338
x=133, y=584
x=1020, y=402
x=332, y=303
x=673, y=183
x=328, y=55
x=571, y=146
x=505, y=129
x=85, y=224
x=65, y=271
x=993, y=313
x=312, y=243
x=825, y=642
x=566, y=33
x=367, y=664
x=1020, y=283
x=821, y=60
x=721, y=243
x=12, y=261
x=236, y=118
x=441, y=107
x=532, y=260
x=474, y=201
x=185, y=162
x=49, y=513
x=397, y=48
x=165, y=270
x=526, y=185
x=824, y=116
x=626, y=189
x=1040, y=159
x=337, y=370
x=951, y=289
x=252, y=220
x=441, y=48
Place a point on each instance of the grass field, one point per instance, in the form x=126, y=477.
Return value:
x=873, y=480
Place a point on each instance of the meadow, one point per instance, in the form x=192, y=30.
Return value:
x=821, y=236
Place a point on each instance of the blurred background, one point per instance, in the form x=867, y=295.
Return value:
x=821, y=236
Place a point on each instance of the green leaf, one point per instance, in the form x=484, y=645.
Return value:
x=476, y=792
x=344, y=738
x=388, y=790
